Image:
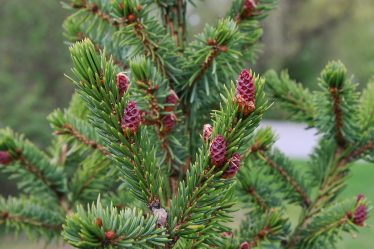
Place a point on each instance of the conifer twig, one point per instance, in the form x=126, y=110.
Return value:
x=257, y=198
x=286, y=176
x=334, y=91
x=80, y=137
x=4, y=215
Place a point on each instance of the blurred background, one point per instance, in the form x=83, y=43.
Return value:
x=301, y=36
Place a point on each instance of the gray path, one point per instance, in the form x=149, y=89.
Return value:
x=293, y=139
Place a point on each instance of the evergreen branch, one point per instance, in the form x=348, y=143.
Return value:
x=173, y=17
x=210, y=62
x=253, y=190
x=95, y=9
x=335, y=117
x=358, y=152
x=286, y=176
x=336, y=105
x=280, y=164
x=130, y=150
x=204, y=192
x=291, y=96
x=152, y=87
x=323, y=231
x=84, y=24
x=247, y=14
x=334, y=172
x=31, y=167
x=34, y=218
x=366, y=110
x=215, y=48
x=108, y=227
x=269, y=226
x=69, y=130
x=67, y=125
x=94, y=176
x=257, y=198
x=259, y=10
x=143, y=34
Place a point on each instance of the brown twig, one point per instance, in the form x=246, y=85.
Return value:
x=257, y=198
x=206, y=64
x=287, y=177
x=69, y=129
x=33, y=222
x=359, y=151
x=39, y=174
x=334, y=92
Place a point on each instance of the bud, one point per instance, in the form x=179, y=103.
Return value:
x=223, y=48
x=227, y=234
x=248, y=7
x=169, y=121
x=131, y=118
x=207, y=132
x=234, y=165
x=244, y=245
x=131, y=18
x=110, y=235
x=334, y=74
x=5, y=157
x=360, y=215
x=245, y=92
x=122, y=83
x=211, y=42
x=161, y=215
x=217, y=151
x=99, y=222
x=171, y=100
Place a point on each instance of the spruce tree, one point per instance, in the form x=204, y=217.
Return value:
x=138, y=162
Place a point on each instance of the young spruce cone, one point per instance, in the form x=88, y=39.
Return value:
x=171, y=100
x=360, y=215
x=218, y=151
x=131, y=118
x=5, y=157
x=169, y=121
x=234, y=164
x=207, y=132
x=244, y=245
x=248, y=7
x=245, y=92
x=122, y=83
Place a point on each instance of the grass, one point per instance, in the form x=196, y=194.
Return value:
x=361, y=181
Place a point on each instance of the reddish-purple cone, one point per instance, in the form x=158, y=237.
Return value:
x=248, y=7
x=207, y=132
x=131, y=118
x=171, y=100
x=169, y=121
x=234, y=165
x=218, y=151
x=360, y=197
x=5, y=157
x=122, y=83
x=244, y=245
x=245, y=92
x=360, y=215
